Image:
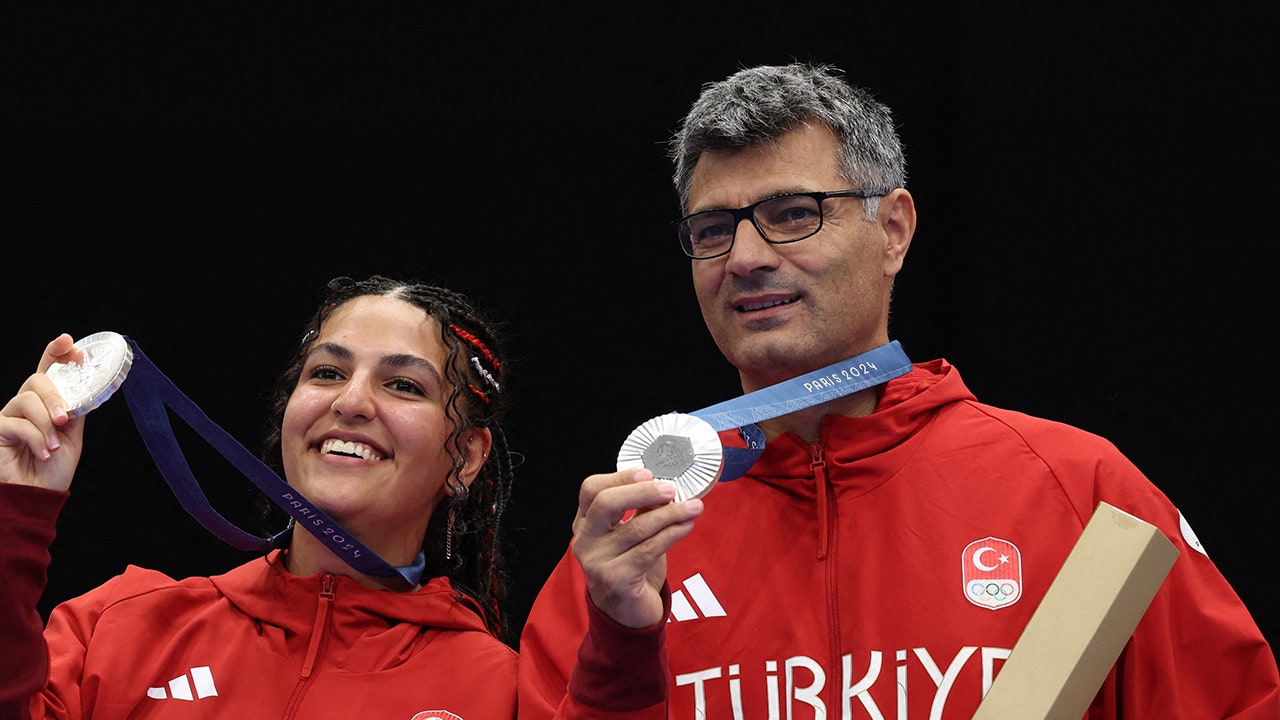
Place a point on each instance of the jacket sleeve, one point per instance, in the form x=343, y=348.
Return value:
x=576, y=663
x=28, y=521
x=1197, y=652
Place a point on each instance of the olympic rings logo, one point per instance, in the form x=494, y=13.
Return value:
x=993, y=591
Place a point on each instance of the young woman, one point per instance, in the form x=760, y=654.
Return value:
x=388, y=421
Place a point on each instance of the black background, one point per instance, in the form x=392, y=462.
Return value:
x=1095, y=186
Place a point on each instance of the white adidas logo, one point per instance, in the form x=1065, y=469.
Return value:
x=696, y=596
x=179, y=688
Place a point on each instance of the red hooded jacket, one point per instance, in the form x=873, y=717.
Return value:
x=256, y=642
x=848, y=579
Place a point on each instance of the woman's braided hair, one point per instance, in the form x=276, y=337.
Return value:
x=463, y=540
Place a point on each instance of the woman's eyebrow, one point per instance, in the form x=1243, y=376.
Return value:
x=402, y=360
x=398, y=360
x=333, y=349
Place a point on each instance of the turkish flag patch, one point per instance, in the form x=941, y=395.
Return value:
x=992, y=573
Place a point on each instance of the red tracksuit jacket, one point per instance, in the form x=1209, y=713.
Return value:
x=256, y=642
x=847, y=579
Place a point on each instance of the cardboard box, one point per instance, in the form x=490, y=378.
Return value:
x=1084, y=621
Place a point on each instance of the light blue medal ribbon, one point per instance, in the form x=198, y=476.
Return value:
x=148, y=393
x=686, y=449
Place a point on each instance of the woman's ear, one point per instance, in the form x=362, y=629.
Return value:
x=476, y=450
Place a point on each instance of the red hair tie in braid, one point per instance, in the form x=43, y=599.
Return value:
x=478, y=393
x=476, y=343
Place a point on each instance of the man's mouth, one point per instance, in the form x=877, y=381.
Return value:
x=748, y=307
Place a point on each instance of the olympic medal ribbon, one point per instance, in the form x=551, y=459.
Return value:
x=860, y=372
x=685, y=448
x=149, y=392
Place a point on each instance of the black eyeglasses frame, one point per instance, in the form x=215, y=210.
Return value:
x=748, y=212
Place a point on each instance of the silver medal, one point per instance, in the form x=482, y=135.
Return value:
x=683, y=449
x=86, y=385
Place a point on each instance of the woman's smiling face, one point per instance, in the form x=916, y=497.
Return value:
x=365, y=432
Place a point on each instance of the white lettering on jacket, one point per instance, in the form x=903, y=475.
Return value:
x=802, y=680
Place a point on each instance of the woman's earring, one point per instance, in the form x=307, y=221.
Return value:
x=460, y=493
x=448, y=533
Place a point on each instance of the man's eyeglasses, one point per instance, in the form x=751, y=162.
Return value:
x=779, y=219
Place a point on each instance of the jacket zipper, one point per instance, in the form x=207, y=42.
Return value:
x=827, y=546
x=818, y=467
x=319, y=640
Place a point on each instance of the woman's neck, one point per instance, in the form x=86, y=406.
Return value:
x=307, y=555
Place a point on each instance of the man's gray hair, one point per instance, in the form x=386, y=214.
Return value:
x=761, y=104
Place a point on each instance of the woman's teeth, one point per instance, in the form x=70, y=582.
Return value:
x=342, y=447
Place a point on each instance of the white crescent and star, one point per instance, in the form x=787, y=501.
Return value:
x=977, y=559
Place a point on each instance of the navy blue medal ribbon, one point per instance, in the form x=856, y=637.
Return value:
x=148, y=393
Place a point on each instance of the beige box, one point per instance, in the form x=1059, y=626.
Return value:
x=1084, y=621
